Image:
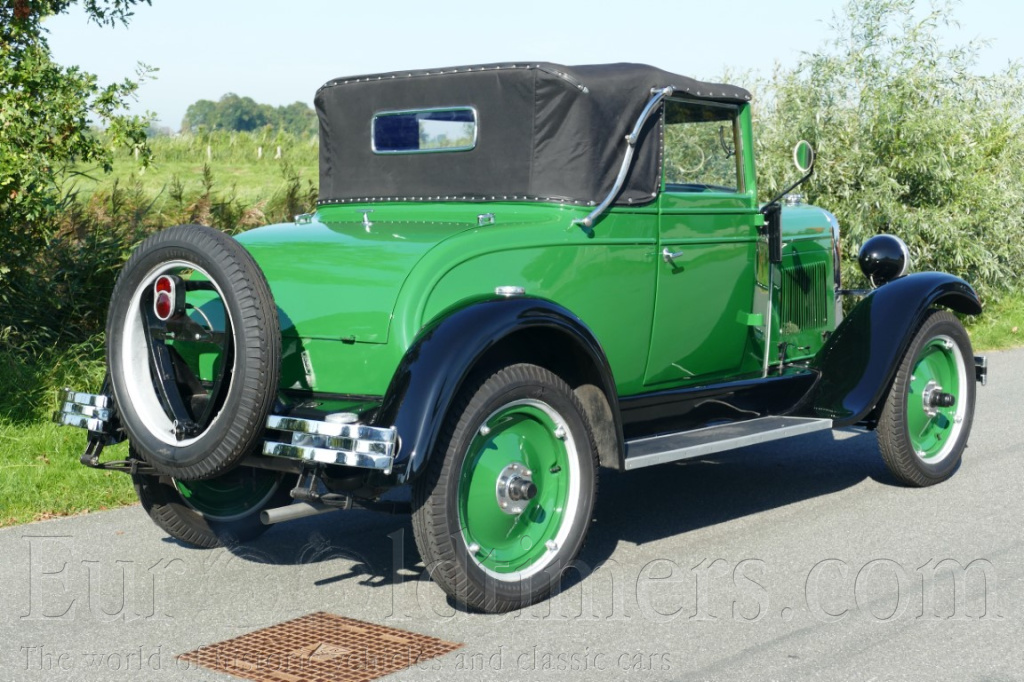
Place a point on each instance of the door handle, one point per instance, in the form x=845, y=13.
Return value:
x=670, y=257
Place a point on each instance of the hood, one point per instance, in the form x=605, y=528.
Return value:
x=340, y=280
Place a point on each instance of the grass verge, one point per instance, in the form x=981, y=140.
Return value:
x=1001, y=325
x=41, y=478
x=40, y=475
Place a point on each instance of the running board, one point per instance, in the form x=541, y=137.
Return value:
x=671, y=447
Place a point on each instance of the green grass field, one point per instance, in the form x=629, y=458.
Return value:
x=250, y=183
x=234, y=161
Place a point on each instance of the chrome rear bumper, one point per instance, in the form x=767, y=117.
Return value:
x=354, y=445
x=306, y=440
x=84, y=410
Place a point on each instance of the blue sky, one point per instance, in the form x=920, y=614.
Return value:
x=280, y=52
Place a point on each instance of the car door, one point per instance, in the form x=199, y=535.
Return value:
x=705, y=325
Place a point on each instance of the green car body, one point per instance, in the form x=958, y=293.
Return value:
x=516, y=273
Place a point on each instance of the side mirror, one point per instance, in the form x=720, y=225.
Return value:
x=803, y=156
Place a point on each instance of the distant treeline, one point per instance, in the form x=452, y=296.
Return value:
x=243, y=114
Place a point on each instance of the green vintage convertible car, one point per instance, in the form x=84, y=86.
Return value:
x=515, y=274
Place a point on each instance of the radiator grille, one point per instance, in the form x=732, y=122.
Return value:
x=803, y=302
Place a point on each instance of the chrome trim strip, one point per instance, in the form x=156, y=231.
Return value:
x=673, y=447
x=101, y=413
x=89, y=399
x=379, y=462
x=80, y=421
x=319, y=428
x=627, y=161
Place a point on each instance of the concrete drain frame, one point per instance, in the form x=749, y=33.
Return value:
x=320, y=647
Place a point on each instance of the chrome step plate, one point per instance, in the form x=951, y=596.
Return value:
x=671, y=447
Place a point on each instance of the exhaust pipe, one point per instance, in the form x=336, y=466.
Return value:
x=297, y=510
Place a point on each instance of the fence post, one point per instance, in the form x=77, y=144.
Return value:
x=259, y=152
x=278, y=155
x=209, y=153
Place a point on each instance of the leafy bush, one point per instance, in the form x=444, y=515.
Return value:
x=45, y=114
x=911, y=141
x=61, y=297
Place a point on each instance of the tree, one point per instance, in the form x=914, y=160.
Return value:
x=297, y=118
x=240, y=113
x=243, y=114
x=46, y=114
x=200, y=115
x=911, y=140
x=46, y=109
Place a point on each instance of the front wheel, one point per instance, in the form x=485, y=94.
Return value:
x=504, y=507
x=926, y=419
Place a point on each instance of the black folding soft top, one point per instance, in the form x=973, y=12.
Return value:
x=545, y=132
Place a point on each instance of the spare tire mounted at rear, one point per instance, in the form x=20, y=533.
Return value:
x=193, y=351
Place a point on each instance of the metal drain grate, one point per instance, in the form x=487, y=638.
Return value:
x=320, y=647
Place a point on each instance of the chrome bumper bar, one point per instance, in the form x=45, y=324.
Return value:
x=981, y=369
x=308, y=440
x=84, y=410
x=354, y=445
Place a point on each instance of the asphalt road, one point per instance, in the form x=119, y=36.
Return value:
x=795, y=560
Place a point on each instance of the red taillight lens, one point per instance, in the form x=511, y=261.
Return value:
x=163, y=306
x=164, y=295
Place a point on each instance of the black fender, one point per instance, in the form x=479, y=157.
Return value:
x=443, y=354
x=857, y=364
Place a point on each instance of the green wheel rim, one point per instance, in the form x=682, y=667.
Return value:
x=532, y=438
x=933, y=430
x=232, y=496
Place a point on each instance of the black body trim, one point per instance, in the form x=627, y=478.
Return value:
x=692, y=408
x=447, y=350
x=858, y=362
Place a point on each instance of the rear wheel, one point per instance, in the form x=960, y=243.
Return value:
x=926, y=419
x=504, y=507
x=216, y=511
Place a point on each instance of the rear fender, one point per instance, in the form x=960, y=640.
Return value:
x=448, y=349
x=858, y=362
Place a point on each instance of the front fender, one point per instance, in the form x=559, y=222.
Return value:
x=446, y=351
x=860, y=359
